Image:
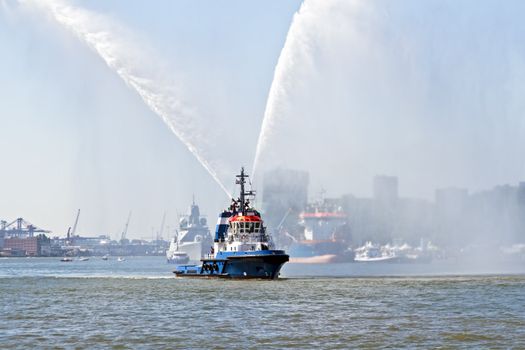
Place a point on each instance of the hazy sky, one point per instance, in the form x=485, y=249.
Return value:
x=75, y=136
x=430, y=91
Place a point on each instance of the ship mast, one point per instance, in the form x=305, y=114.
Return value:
x=242, y=199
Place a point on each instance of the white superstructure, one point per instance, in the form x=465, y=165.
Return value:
x=193, y=236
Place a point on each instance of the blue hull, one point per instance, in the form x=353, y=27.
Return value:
x=261, y=266
x=309, y=249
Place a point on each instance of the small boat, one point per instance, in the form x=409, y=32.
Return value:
x=105, y=257
x=120, y=258
x=373, y=253
x=66, y=259
x=83, y=258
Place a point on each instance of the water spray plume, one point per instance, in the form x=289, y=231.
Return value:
x=427, y=91
x=135, y=67
x=296, y=54
x=275, y=105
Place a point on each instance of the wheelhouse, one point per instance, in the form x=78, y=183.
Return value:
x=246, y=224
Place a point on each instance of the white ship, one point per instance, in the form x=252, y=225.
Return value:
x=402, y=253
x=193, y=238
x=373, y=253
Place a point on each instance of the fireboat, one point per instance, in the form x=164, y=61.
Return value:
x=242, y=248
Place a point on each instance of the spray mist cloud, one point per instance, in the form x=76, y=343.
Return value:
x=298, y=45
x=297, y=56
x=427, y=91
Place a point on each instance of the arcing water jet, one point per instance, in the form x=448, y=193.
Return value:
x=275, y=105
x=109, y=41
x=426, y=91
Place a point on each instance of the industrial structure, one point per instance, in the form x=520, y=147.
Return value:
x=21, y=238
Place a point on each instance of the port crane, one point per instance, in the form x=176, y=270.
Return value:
x=19, y=228
x=74, y=230
x=125, y=232
x=71, y=232
x=280, y=226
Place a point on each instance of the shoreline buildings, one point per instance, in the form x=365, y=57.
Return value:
x=20, y=238
x=454, y=219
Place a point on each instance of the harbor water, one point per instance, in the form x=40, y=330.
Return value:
x=137, y=303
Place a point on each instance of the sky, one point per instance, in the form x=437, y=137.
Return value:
x=75, y=136
x=429, y=91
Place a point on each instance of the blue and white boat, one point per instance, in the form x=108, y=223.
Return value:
x=242, y=248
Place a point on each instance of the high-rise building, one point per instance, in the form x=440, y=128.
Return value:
x=385, y=189
x=450, y=202
x=285, y=193
x=521, y=194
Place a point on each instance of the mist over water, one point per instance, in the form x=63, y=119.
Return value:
x=141, y=69
x=427, y=91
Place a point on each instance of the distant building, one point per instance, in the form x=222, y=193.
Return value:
x=521, y=194
x=285, y=193
x=451, y=201
x=88, y=242
x=386, y=189
x=21, y=238
x=30, y=246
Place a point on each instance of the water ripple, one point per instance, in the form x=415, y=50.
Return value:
x=297, y=313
